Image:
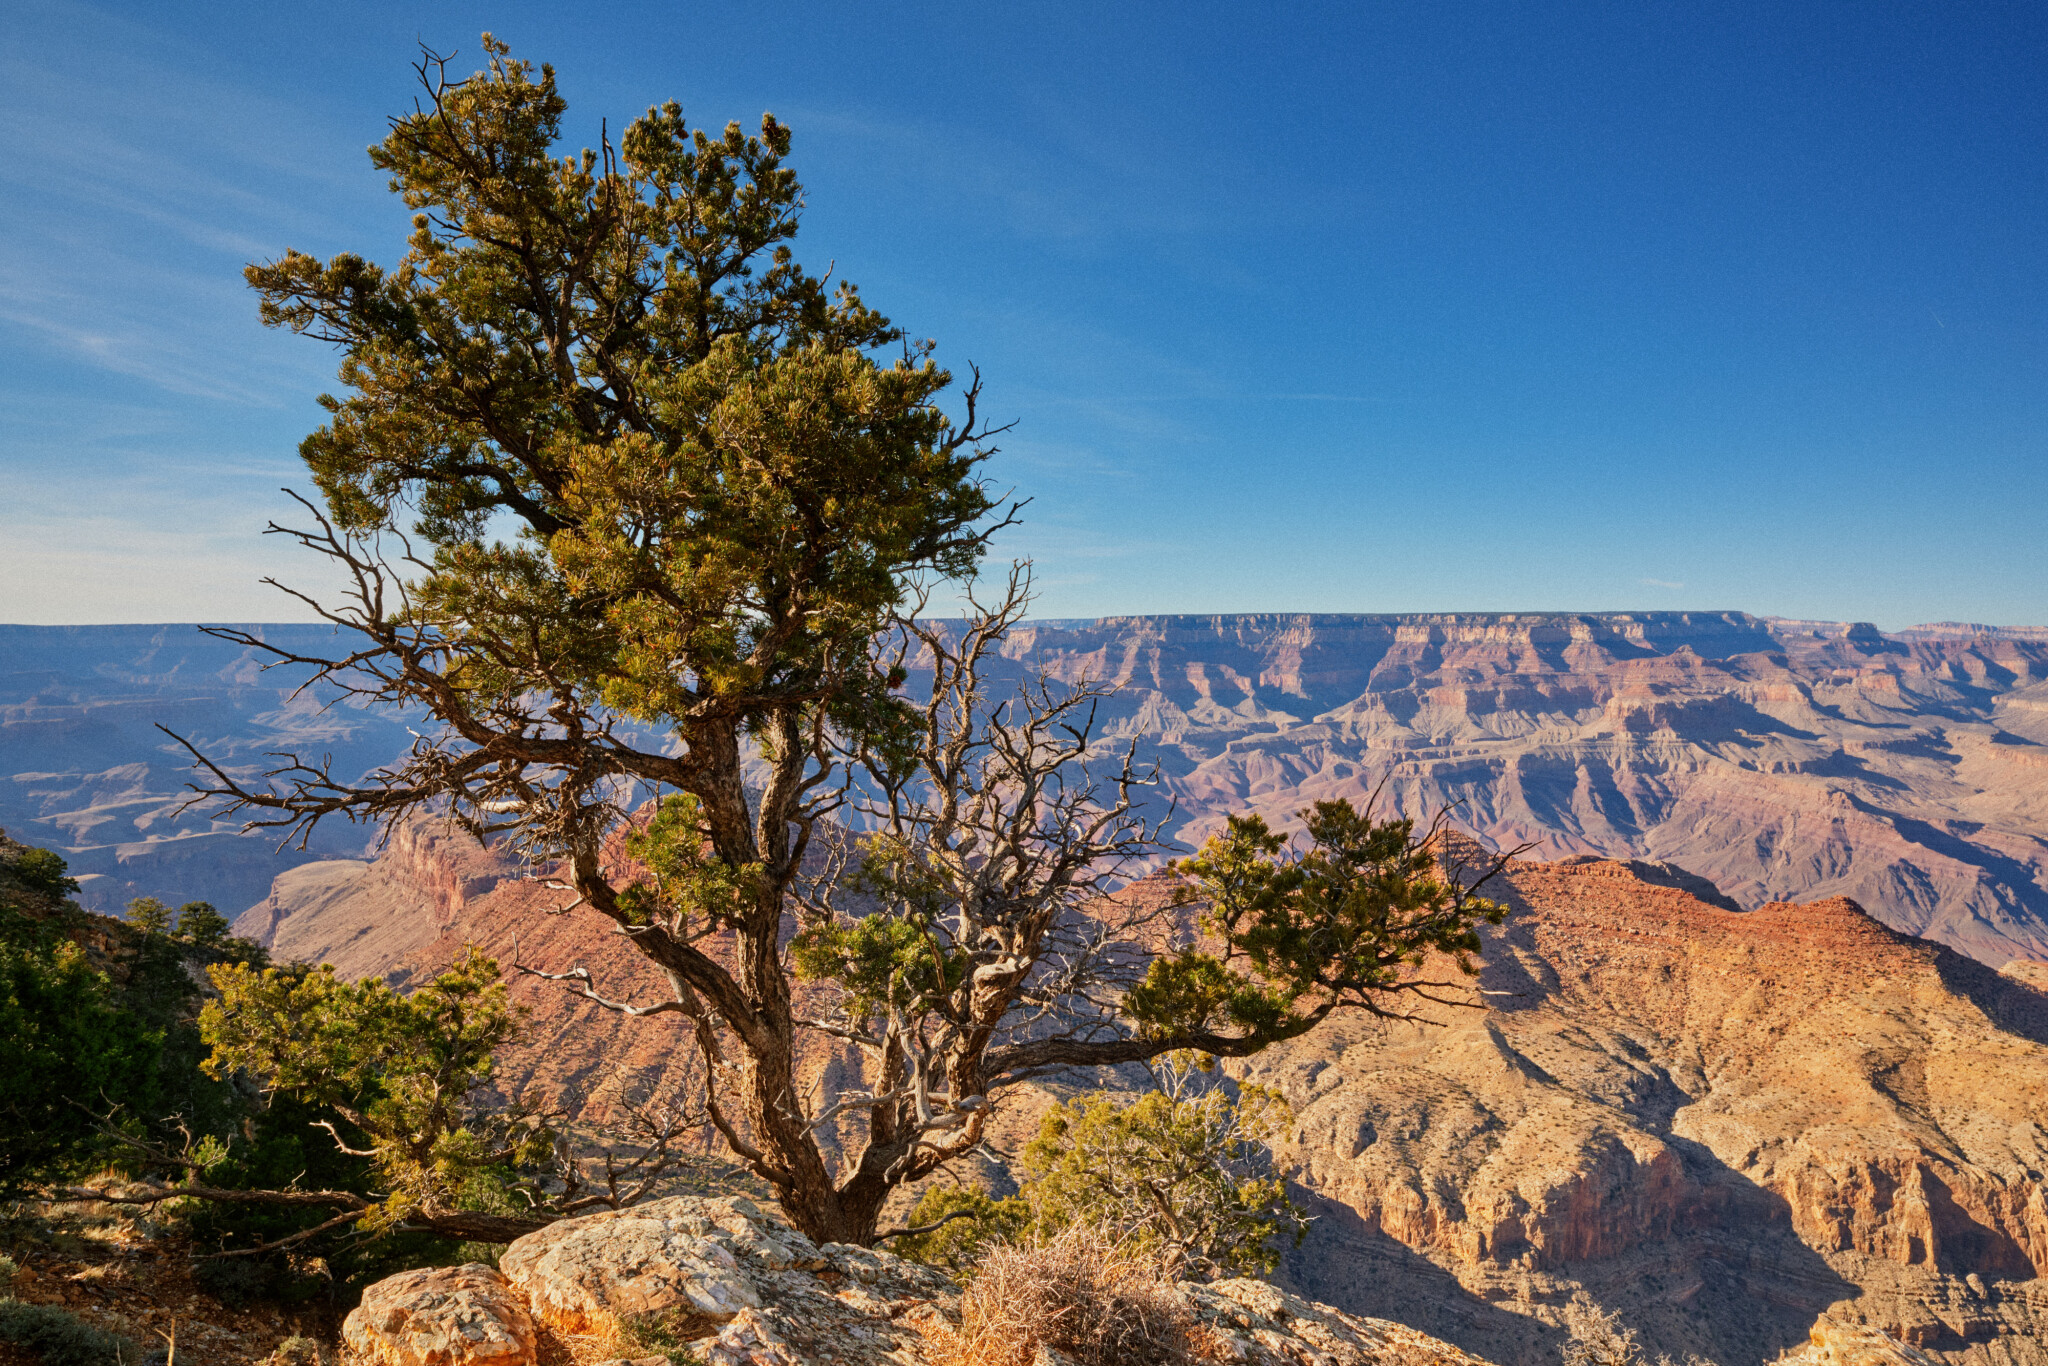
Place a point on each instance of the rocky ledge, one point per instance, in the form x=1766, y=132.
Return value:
x=743, y=1288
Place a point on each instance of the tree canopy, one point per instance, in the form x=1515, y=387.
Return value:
x=647, y=518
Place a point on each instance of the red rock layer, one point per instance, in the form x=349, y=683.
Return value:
x=1659, y=1075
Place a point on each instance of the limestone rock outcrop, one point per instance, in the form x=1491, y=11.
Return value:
x=447, y=1316
x=745, y=1289
x=1833, y=1344
x=1255, y=1323
x=693, y=1261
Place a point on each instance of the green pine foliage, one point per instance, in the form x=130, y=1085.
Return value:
x=74, y=1047
x=124, y=1040
x=407, y=1072
x=99, y=1042
x=34, y=872
x=1343, y=923
x=56, y=1338
x=976, y=1220
x=71, y=1051
x=1182, y=1174
x=200, y=924
x=279, y=1147
x=149, y=915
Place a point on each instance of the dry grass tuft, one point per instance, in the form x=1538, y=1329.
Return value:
x=1081, y=1293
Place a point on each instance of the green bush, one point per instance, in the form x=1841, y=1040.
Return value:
x=94, y=1037
x=1183, y=1173
x=296, y=1351
x=70, y=1045
x=957, y=1246
x=201, y=924
x=61, y=1340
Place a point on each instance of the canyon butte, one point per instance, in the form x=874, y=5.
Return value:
x=1765, y=1042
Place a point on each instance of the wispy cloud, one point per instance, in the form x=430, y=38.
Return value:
x=133, y=347
x=1661, y=583
x=134, y=190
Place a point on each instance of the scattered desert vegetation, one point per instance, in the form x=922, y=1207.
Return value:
x=1598, y=1337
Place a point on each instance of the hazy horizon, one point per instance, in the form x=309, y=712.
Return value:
x=1888, y=628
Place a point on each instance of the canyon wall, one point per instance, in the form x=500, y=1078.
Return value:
x=87, y=769
x=1784, y=761
x=1726, y=1125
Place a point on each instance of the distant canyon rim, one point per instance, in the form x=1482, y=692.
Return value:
x=1782, y=760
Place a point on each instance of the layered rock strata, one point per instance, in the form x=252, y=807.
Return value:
x=1723, y=1124
x=1785, y=760
x=742, y=1288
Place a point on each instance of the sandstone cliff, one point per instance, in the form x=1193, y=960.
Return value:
x=1726, y=1125
x=1783, y=760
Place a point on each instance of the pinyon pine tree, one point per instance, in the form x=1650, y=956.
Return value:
x=729, y=489
x=149, y=915
x=203, y=925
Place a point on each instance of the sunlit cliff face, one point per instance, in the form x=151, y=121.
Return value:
x=1726, y=1123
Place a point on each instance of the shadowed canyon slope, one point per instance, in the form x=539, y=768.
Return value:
x=1724, y=1124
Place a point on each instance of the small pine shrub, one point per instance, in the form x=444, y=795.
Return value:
x=977, y=1221
x=8, y=1271
x=296, y=1351
x=61, y=1340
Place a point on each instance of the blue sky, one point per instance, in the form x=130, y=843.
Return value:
x=1427, y=306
